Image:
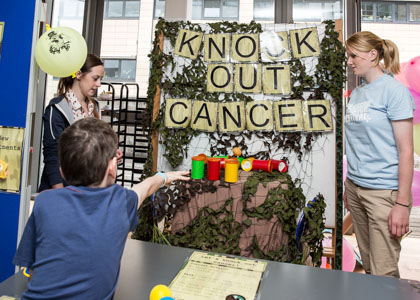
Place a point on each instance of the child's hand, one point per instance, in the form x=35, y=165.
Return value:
x=177, y=175
x=119, y=156
x=150, y=185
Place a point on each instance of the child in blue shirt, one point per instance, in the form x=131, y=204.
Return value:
x=75, y=236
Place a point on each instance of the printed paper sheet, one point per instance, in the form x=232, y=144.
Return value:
x=214, y=277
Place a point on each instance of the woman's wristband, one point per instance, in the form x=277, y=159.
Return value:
x=165, y=178
x=405, y=205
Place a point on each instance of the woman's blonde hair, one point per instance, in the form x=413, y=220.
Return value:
x=365, y=41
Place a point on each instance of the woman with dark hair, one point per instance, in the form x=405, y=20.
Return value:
x=74, y=101
x=379, y=148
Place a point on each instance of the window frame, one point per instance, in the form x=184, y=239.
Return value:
x=154, y=9
x=214, y=18
x=266, y=18
x=106, y=10
x=373, y=11
x=323, y=6
x=120, y=59
x=394, y=12
x=408, y=12
x=80, y=7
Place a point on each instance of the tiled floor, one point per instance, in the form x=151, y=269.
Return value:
x=410, y=258
x=409, y=263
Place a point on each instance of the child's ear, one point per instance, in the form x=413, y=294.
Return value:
x=112, y=167
x=61, y=173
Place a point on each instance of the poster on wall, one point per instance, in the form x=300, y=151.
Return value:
x=11, y=139
x=1, y=35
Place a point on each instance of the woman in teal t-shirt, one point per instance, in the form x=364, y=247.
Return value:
x=379, y=149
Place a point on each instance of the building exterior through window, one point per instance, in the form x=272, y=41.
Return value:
x=398, y=21
x=122, y=9
x=117, y=70
x=387, y=12
x=215, y=9
x=129, y=24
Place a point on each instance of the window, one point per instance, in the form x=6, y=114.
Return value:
x=68, y=13
x=264, y=9
x=71, y=9
x=317, y=11
x=303, y=10
x=367, y=11
x=215, y=9
x=414, y=12
x=212, y=9
x=159, y=9
x=386, y=12
x=120, y=69
x=230, y=9
x=401, y=12
x=121, y=9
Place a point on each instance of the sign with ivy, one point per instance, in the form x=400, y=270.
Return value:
x=299, y=72
x=274, y=92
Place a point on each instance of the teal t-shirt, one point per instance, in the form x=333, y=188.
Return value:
x=371, y=149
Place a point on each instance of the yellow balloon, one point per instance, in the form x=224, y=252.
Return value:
x=416, y=136
x=61, y=51
x=160, y=291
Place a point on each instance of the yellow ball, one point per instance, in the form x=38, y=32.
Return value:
x=160, y=291
x=237, y=151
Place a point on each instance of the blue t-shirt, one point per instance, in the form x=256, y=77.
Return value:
x=371, y=149
x=74, y=240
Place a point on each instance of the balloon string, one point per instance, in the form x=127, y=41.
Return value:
x=45, y=12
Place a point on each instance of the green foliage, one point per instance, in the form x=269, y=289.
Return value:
x=333, y=61
x=331, y=68
x=233, y=27
x=331, y=76
x=314, y=235
x=299, y=79
x=212, y=230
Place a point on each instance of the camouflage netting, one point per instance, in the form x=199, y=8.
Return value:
x=254, y=217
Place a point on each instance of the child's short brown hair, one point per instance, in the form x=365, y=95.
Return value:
x=84, y=150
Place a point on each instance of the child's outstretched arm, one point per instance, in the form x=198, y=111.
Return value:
x=151, y=184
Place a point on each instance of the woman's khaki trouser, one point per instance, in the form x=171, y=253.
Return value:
x=369, y=210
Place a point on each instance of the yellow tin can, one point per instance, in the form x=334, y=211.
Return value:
x=231, y=170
